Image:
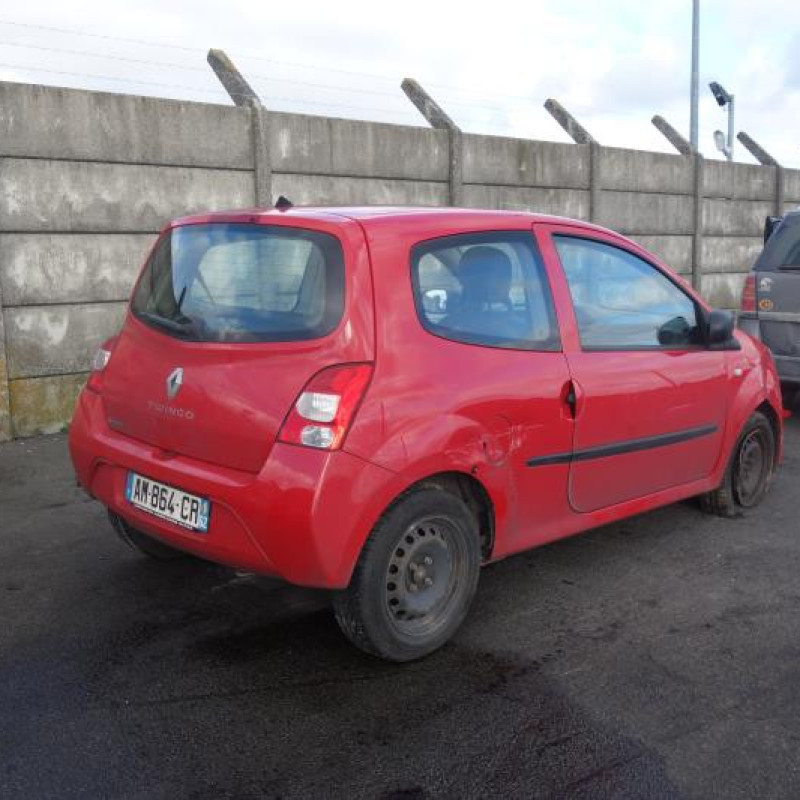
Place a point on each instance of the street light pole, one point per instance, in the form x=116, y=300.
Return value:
x=730, y=128
x=693, y=107
x=724, y=99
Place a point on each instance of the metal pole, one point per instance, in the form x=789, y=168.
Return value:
x=730, y=129
x=693, y=114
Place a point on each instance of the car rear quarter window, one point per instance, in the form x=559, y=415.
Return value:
x=486, y=289
x=226, y=282
x=623, y=302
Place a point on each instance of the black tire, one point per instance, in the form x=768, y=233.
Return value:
x=415, y=579
x=749, y=471
x=143, y=543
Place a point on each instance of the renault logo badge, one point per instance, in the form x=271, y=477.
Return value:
x=174, y=382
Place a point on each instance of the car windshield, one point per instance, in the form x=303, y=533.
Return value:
x=242, y=283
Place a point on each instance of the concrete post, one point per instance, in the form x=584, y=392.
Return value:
x=235, y=85
x=697, y=235
x=683, y=146
x=576, y=131
x=5, y=401
x=437, y=118
x=780, y=183
x=760, y=154
x=763, y=157
x=244, y=95
x=262, y=158
x=595, y=189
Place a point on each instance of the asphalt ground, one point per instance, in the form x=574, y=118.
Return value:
x=653, y=658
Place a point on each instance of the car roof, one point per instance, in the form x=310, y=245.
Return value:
x=383, y=214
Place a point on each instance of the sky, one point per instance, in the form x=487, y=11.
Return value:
x=491, y=66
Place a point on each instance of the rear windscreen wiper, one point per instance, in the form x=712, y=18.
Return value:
x=185, y=327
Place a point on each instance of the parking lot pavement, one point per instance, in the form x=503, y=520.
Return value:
x=653, y=658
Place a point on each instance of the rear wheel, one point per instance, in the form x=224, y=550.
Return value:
x=415, y=580
x=145, y=544
x=749, y=470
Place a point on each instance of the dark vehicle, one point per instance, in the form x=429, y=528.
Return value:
x=771, y=300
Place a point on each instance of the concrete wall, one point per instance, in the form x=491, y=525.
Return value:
x=88, y=178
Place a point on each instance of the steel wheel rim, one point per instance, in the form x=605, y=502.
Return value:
x=752, y=467
x=425, y=577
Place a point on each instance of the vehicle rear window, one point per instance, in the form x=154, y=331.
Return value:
x=782, y=251
x=242, y=283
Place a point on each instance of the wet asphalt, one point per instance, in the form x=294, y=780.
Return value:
x=654, y=658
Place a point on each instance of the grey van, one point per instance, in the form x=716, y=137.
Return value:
x=771, y=300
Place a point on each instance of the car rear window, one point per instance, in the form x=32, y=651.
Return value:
x=242, y=283
x=782, y=250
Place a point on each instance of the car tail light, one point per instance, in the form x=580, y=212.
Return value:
x=749, y=293
x=325, y=408
x=99, y=363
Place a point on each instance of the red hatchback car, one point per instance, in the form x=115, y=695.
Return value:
x=377, y=400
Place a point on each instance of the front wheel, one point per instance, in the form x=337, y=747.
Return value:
x=749, y=470
x=415, y=579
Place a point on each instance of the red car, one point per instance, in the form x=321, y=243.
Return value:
x=377, y=401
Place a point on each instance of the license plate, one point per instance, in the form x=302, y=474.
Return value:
x=182, y=508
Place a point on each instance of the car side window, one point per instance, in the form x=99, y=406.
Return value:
x=487, y=289
x=623, y=302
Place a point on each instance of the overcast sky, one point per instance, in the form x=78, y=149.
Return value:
x=492, y=65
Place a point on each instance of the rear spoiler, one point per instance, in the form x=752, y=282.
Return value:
x=770, y=223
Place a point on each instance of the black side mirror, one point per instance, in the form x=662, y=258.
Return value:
x=770, y=223
x=719, y=330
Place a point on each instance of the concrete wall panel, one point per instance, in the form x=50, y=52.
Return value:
x=327, y=190
x=501, y=161
x=637, y=213
x=373, y=149
x=44, y=405
x=640, y=171
x=674, y=251
x=791, y=185
x=562, y=202
x=40, y=268
x=730, y=253
x=40, y=195
x=50, y=340
x=306, y=144
x=735, y=217
x=738, y=181
x=98, y=126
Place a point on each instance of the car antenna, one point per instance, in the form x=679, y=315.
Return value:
x=283, y=203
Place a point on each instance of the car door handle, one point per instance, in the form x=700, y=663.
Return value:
x=573, y=398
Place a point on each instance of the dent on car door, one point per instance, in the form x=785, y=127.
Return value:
x=651, y=398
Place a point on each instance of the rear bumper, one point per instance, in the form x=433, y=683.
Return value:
x=304, y=517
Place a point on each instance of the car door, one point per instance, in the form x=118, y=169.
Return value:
x=495, y=358
x=650, y=399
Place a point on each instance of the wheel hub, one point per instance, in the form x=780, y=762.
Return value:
x=419, y=576
x=752, y=465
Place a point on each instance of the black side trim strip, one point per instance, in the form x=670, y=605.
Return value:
x=619, y=448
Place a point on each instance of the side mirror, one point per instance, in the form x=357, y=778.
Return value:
x=719, y=330
x=770, y=223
